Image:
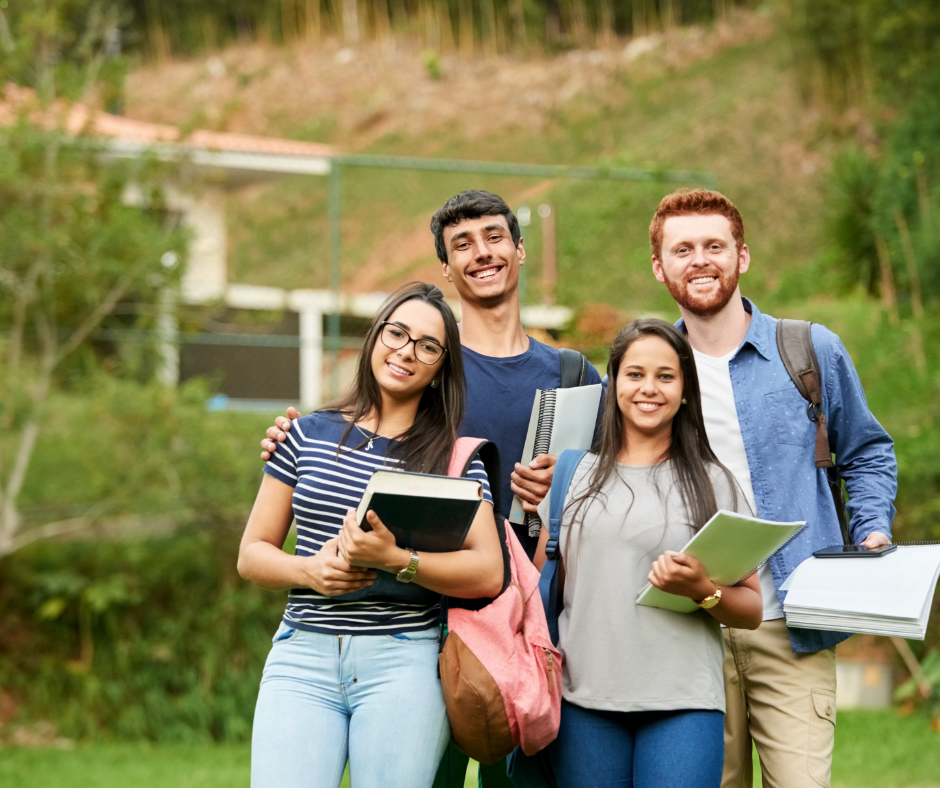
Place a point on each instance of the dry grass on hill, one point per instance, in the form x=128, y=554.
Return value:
x=356, y=96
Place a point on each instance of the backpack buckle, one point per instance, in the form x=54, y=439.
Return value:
x=812, y=412
x=551, y=549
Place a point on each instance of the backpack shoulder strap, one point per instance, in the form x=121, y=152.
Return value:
x=565, y=467
x=795, y=343
x=465, y=451
x=548, y=583
x=573, y=367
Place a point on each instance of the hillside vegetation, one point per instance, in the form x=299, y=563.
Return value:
x=718, y=99
x=156, y=637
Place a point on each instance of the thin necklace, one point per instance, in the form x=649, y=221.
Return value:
x=367, y=435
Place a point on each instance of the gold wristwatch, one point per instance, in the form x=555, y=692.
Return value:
x=710, y=601
x=407, y=574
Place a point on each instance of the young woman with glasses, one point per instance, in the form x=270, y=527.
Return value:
x=352, y=673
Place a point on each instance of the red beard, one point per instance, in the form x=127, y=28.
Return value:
x=703, y=306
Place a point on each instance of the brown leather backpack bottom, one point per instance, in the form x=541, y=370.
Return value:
x=478, y=720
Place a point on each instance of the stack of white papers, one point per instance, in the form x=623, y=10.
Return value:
x=890, y=595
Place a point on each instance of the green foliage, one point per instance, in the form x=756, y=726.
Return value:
x=890, y=196
x=930, y=676
x=71, y=246
x=118, y=447
x=62, y=48
x=851, y=218
x=143, y=637
x=432, y=63
x=853, y=53
x=155, y=640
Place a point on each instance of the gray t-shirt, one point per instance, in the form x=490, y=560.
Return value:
x=619, y=656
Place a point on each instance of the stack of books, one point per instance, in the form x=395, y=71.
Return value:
x=890, y=595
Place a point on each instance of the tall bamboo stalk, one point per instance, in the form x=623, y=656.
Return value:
x=888, y=293
x=352, y=34
x=517, y=14
x=917, y=303
x=383, y=22
x=466, y=28
x=489, y=35
x=607, y=33
x=312, y=21
x=288, y=20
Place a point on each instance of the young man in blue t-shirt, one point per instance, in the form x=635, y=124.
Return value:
x=481, y=250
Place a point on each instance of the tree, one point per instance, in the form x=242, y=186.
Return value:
x=70, y=247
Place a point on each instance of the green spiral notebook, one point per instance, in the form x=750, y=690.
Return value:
x=730, y=546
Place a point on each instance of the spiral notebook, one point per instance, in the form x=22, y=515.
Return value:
x=561, y=419
x=731, y=547
x=889, y=595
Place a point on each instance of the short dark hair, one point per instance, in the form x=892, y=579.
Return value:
x=471, y=204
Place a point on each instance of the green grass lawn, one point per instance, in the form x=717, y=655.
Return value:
x=874, y=749
x=139, y=765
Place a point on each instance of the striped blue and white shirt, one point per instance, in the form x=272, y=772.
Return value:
x=326, y=485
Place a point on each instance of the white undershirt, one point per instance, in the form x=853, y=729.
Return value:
x=724, y=434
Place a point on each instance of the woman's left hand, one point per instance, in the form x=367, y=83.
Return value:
x=375, y=548
x=682, y=575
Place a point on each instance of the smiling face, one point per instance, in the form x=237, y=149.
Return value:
x=398, y=373
x=482, y=260
x=649, y=387
x=700, y=262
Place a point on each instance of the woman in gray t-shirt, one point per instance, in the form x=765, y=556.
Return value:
x=643, y=699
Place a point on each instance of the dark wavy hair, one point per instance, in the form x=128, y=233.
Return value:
x=471, y=204
x=689, y=449
x=428, y=442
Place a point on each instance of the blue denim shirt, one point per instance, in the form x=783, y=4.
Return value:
x=779, y=442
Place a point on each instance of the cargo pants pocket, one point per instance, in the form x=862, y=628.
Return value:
x=822, y=732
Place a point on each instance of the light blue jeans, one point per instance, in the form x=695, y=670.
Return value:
x=374, y=700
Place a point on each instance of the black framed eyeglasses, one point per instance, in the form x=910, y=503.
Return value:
x=427, y=351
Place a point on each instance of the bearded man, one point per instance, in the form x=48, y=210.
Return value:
x=780, y=682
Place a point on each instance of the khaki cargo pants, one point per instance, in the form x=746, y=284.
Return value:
x=784, y=702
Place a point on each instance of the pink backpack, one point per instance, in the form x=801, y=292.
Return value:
x=500, y=673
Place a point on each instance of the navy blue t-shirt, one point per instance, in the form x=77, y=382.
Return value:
x=500, y=392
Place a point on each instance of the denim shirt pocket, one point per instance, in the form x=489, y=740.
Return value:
x=788, y=411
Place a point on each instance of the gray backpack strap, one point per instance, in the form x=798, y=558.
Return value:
x=795, y=343
x=573, y=367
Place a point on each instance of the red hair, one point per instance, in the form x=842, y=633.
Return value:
x=691, y=201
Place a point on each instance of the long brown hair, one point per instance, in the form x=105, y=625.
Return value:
x=689, y=449
x=428, y=442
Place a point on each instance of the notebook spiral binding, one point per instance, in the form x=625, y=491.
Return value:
x=762, y=563
x=543, y=441
x=918, y=544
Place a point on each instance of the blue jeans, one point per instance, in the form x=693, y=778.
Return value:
x=643, y=749
x=375, y=700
